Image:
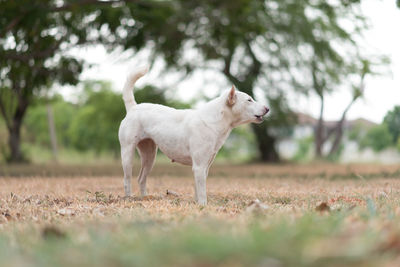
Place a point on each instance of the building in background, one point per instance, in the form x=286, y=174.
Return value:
x=299, y=145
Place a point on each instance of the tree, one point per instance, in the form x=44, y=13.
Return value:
x=264, y=45
x=392, y=120
x=36, y=122
x=254, y=44
x=323, y=83
x=35, y=36
x=330, y=58
x=28, y=47
x=378, y=138
x=355, y=72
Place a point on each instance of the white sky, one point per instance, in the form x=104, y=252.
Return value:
x=382, y=93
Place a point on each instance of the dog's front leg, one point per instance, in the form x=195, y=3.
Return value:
x=200, y=177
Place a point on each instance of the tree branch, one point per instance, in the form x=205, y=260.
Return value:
x=66, y=7
x=227, y=70
x=319, y=131
x=339, y=126
x=256, y=66
x=11, y=25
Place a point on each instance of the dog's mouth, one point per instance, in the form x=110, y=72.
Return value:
x=259, y=118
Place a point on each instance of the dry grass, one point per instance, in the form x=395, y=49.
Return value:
x=292, y=189
x=40, y=199
x=322, y=170
x=363, y=199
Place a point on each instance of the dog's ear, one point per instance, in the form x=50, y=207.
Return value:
x=231, y=97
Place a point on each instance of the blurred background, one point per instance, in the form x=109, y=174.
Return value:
x=328, y=70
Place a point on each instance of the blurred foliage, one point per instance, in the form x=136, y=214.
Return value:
x=356, y=132
x=398, y=144
x=335, y=157
x=36, y=123
x=304, y=149
x=378, y=138
x=31, y=37
x=141, y=240
x=274, y=46
x=266, y=45
x=392, y=119
x=240, y=146
x=36, y=34
x=95, y=126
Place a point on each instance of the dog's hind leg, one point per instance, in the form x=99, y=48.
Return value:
x=127, y=153
x=147, y=151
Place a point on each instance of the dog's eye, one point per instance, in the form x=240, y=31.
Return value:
x=250, y=100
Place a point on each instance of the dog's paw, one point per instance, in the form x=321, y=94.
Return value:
x=202, y=202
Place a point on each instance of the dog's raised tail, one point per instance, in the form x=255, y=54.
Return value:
x=127, y=93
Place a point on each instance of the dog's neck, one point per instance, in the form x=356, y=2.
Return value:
x=218, y=116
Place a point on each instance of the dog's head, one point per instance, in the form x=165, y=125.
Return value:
x=243, y=107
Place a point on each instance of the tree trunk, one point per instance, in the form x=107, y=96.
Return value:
x=319, y=131
x=265, y=143
x=14, y=131
x=338, y=139
x=14, y=141
x=339, y=129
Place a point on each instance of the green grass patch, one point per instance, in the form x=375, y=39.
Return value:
x=311, y=240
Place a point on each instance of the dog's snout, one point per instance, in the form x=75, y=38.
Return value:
x=266, y=110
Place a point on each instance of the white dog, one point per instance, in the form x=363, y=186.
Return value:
x=190, y=136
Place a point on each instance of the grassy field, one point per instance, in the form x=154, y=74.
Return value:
x=258, y=215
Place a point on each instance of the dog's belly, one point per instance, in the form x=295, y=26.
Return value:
x=170, y=132
x=177, y=155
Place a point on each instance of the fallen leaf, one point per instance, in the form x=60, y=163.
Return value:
x=323, y=207
x=6, y=215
